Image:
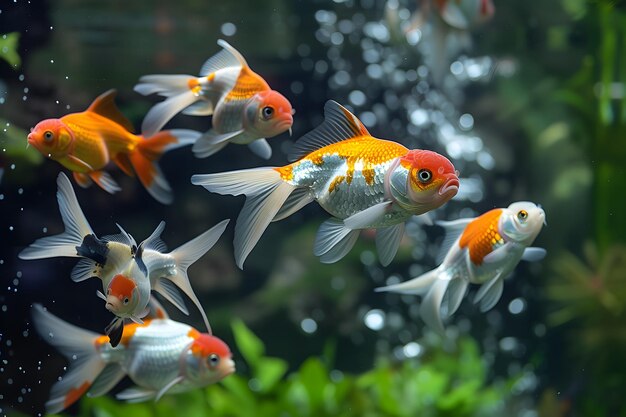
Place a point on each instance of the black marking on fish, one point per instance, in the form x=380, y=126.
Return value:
x=93, y=248
x=138, y=258
x=114, y=330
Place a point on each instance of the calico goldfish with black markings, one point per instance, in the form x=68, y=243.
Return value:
x=245, y=109
x=482, y=250
x=160, y=356
x=362, y=181
x=86, y=142
x=128, y=271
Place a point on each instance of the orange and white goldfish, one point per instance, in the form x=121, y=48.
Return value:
x=128, y=271
x=85, y=142
x=481, y=250
x=245, y=109
x=362, y=181
x=160, y=356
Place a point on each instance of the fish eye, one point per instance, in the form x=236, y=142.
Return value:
x=126, y=300
x=48, y=135
x=522, y=215
x=267, y=112
x=424, y=175
x=213, y=360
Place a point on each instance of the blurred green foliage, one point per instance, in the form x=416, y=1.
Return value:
x=8, y=49
x=442, y=382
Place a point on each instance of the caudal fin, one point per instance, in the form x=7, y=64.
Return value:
x=76, y=227
x=79, y=346
x=265, y=193
x=180, y=94
x=147, y=153
x=433, y=285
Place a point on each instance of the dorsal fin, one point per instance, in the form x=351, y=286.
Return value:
x=453, y=230
x=339, y=124
x=227, y=57
x=154, y=241
x=105, y=106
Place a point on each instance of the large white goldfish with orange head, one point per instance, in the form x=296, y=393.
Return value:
x=128, y=271
x=245, y=109
x=482, y=250
x=86, y=142
x=362, y=181
x=160, y=356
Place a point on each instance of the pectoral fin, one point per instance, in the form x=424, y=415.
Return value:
x=387, y=242
x=489, y=293
x=334, y=240
x=114, y=330
x=135, y=394
x=533, y=254
x=84, y=165
x=261, y=148
x=168, y=386
x=365, y=218
x=105, y=181
x=499, y=254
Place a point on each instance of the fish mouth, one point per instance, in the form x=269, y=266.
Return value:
x=451, y=186
x=229, y=367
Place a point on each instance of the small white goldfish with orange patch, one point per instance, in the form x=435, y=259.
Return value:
x=482, y=250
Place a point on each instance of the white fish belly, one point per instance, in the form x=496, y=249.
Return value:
x=153, y=354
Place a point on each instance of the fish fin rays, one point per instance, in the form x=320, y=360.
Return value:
x=82, y=180
x=162, y=112
x=199, y=108
x=453, y=230
x=105, y=181
x=227, y=57
x=168, y=386
x=489, y=293
x=266, y=193
x=334, y=240
x=76, y=227
x=76, y=344
x=85, y=269
x=84, y=165
x=365, y=218
x=212, y=142
x=498, y=255
x=136, y=394
x=114, y=330
x=170, y=292
x=387, y=242
x=261, y=148
x=299, y=198
x=104, y=105
x=108, y=378
x=339, y=124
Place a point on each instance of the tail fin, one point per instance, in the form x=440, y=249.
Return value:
x=188, y=254
x=179, y=93
x=266, y=193
x=148, y=151
x=77, y=345
x=434, y=285
x=76, y=227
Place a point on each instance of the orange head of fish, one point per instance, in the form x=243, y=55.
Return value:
x=52, y=138
x=121, y=296
x=209, y=359
x=269, y=114
x=422, y=181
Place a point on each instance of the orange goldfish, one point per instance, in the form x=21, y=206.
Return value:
x=362, y=181
x=85, y=143
x=482, y=250
x=159, y=355
x=245, y=109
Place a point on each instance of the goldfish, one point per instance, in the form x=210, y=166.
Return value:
x=245, y=109
x=85, y=142
x=128, y=271
x=362, y=181
x=160, y=356
x=482, y=250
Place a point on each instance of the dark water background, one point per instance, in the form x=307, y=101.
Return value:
x=533, y=110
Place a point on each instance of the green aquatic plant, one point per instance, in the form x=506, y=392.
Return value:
x=451, y=381
x=8, y=49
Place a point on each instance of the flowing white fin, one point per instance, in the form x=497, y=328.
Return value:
x=199, y=108
x=261, y=148
x=265, y=192
x=365, y=218
x=227, y=57
x=136, y=394
x=79, y=347
x=162, y=112
x=339, y=124
x=85, y=269
x=419, y=285
x=299, y=198
x=76, y=227
x=170, y=292
x=184, y=256
x=168, y=386
x=533, y=254
x=108, y=378
x=334, y=240
x=105, y=181
x=387, y=242
x=456, y=291
x=489, y=293
x=210, y=142
x=453, y=230
x=430, y=308
x=498, y=255
x=163, y=84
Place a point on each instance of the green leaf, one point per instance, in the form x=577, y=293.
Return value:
x=8, y=49
x=250, y=346
x=314, y=377
x=269, y=371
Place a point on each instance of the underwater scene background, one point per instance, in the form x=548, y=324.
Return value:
x=529, y=104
